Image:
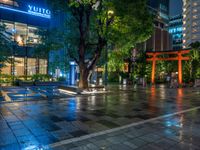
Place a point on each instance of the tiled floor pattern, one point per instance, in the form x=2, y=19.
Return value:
x=37, y=123
x=179, y=132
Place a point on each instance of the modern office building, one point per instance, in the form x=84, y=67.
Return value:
x=161, y=8
x=160, y=39
x=191, y=22
x=176, y=30
x=23, y=20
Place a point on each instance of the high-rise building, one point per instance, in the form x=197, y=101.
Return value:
x=161, y=7
x=176, y=30
x=160, y=39
x=191, y=22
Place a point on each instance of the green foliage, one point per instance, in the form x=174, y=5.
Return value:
x=61, y=79
x=140, y=65
x=133, y=23
x=116, y=60
x=194, y=59
x=4, y=78
x=41, y=77
x=198, y=73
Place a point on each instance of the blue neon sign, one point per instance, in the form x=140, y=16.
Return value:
x=42, y=12
x=32, y=10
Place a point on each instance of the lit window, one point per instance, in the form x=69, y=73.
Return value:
x=9, y=2
x=194, y=24
x=195, y=17
x=195, y=4
x=195, y=10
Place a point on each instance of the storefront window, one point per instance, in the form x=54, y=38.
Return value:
x=31, y=66
x=19, y=66
x=24, y=35
x=43, y=66
x=10, y=30
x=21, y=34
x=33, y=37
x=6, y=69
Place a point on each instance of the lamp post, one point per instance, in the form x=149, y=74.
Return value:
x=1, y=65
x=133, y=60
x=109, y=19
x=106, y=65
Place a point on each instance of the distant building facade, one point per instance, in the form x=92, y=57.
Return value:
x=191, y=22
x=160, y=39
x=176, y=30
x=161, y=7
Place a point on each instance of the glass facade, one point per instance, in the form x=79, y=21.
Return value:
x=32, y=66
x=26, y=37
x=161, y=7
x=176, y=30
x=23, y=20
x=23, y=34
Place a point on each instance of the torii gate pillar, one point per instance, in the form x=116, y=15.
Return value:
x=180, y=74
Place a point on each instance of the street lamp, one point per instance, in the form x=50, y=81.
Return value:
x=109, y=20
x=133, y=60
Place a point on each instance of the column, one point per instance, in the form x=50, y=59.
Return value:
x=180, y=80
x=153, y=69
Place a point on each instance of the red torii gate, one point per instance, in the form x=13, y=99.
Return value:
x=179, y=57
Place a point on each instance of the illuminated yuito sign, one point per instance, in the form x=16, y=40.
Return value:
x=37, y=11
x=31, y=10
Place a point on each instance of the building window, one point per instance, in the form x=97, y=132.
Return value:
x=33, y=37
x=31, y=66
x=21, y=34
x=43, y=66
x=19, y=66
x=9, y=2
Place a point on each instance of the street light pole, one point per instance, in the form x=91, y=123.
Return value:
x=109, y=19
x=106, y=65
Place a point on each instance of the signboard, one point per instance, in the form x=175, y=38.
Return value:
x=30, y=10
x=37, y=11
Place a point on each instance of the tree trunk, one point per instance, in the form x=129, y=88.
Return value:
x=83, y=81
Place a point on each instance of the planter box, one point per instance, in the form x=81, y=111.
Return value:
x=47, y=83
x=71, y=89
x=22, y=83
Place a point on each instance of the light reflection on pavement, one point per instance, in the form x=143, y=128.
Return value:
x=38, y=123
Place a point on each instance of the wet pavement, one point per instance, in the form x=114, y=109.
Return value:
x=33, y=124
x=178, y=132
x=31, y=93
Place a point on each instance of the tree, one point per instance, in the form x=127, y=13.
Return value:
x=5, y=47
x=93, y=24
x=194, y=59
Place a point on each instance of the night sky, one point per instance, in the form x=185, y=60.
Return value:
x=175, y=7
